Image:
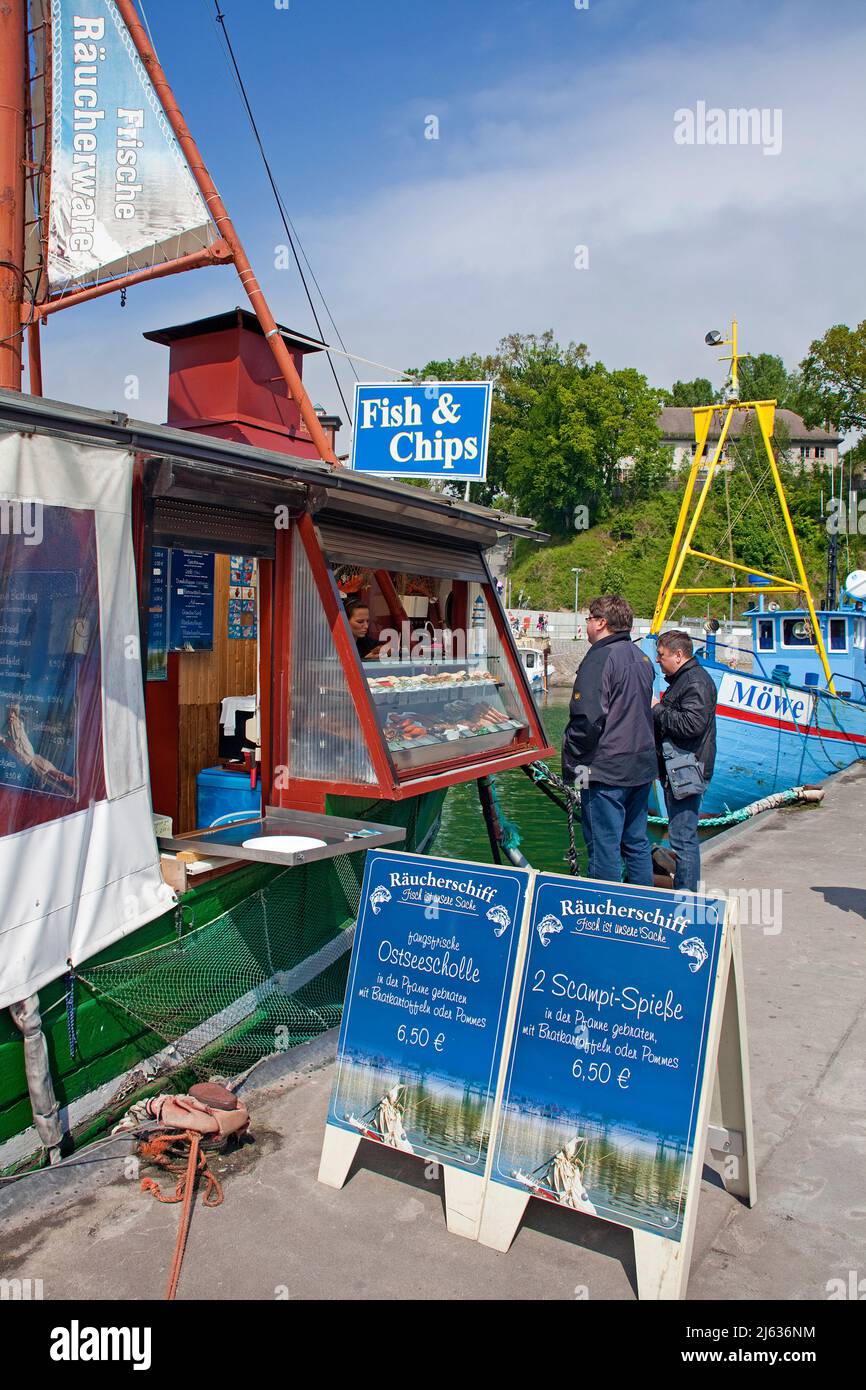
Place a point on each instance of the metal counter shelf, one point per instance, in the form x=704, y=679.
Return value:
x=341, y=836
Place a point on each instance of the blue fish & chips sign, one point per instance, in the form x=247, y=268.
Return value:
x=423, y=430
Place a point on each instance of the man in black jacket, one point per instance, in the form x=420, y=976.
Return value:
x=609, y=748
x=686, y=718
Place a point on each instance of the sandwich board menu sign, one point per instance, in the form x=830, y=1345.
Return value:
x=421, y=1044
x=605, y=1104
x=549, y=1037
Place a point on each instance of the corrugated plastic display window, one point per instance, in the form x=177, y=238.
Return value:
x=325, y=739
x=484, y=641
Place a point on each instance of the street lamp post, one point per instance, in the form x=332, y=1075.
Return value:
x=576, y=573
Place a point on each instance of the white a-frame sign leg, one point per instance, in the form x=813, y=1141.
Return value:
x=724, y=1125
x=722, y=1108
x=464, y=1192
x=338, y=1154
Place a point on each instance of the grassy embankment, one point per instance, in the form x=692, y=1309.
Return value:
x=627, y=550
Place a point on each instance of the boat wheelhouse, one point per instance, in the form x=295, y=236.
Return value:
x=783, y=646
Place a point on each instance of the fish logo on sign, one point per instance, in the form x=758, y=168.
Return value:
x=502, y=917
x=548, y=927
x=377, y=898
x=695, y=948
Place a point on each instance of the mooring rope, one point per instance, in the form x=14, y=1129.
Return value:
x=509, y=832
x=568, y=801
x=541, y=775
x=766, y=803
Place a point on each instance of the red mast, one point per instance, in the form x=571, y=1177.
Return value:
x=13, y=88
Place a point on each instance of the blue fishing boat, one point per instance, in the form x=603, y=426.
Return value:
x=794, y=710
x=779, y=726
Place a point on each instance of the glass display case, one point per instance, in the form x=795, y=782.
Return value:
x=395, y=680
x=435, y=712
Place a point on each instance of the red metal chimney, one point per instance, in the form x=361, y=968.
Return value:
x=223, y=381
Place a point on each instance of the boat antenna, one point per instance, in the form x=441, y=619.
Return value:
x=715, y=339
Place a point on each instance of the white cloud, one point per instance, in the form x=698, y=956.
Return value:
x=680, y=238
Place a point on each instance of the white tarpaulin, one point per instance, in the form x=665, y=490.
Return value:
x=79, y=864
x=122, y=195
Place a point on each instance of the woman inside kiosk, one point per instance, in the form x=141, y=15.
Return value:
x=358, y=615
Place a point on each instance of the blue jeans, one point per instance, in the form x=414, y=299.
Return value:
x=615, y=829
x=683, y=839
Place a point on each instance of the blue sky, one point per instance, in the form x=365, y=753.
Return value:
x=555, y=131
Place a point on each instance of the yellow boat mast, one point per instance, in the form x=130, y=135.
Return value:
x=681, y=545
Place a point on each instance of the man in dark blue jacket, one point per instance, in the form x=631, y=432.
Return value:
x=609, y=744
x=685, y=719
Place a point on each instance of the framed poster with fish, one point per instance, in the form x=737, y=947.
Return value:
x=607, y=1088
x=52, y=763
x=435, y=956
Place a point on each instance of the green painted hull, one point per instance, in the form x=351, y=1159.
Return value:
x=110, y=1040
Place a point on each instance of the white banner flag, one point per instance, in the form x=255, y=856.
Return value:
x=122, y=195
x=79, y=862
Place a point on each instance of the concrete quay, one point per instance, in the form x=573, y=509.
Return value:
x=87, y=1232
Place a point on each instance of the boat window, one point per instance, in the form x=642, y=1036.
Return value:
x=838, y=635
x=860, y=633
x=765, y=635
x=797, y=632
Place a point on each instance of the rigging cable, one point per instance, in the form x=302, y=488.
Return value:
x=284, y=217
x=146, y=24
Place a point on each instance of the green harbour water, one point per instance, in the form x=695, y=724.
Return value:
x=543, y=828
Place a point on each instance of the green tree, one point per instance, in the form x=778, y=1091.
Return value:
x=805, y=400
x=613, y=580
x=567, y=447
x=763, y=378
x=652, y=474
x=835, y=371
x=700, y=391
